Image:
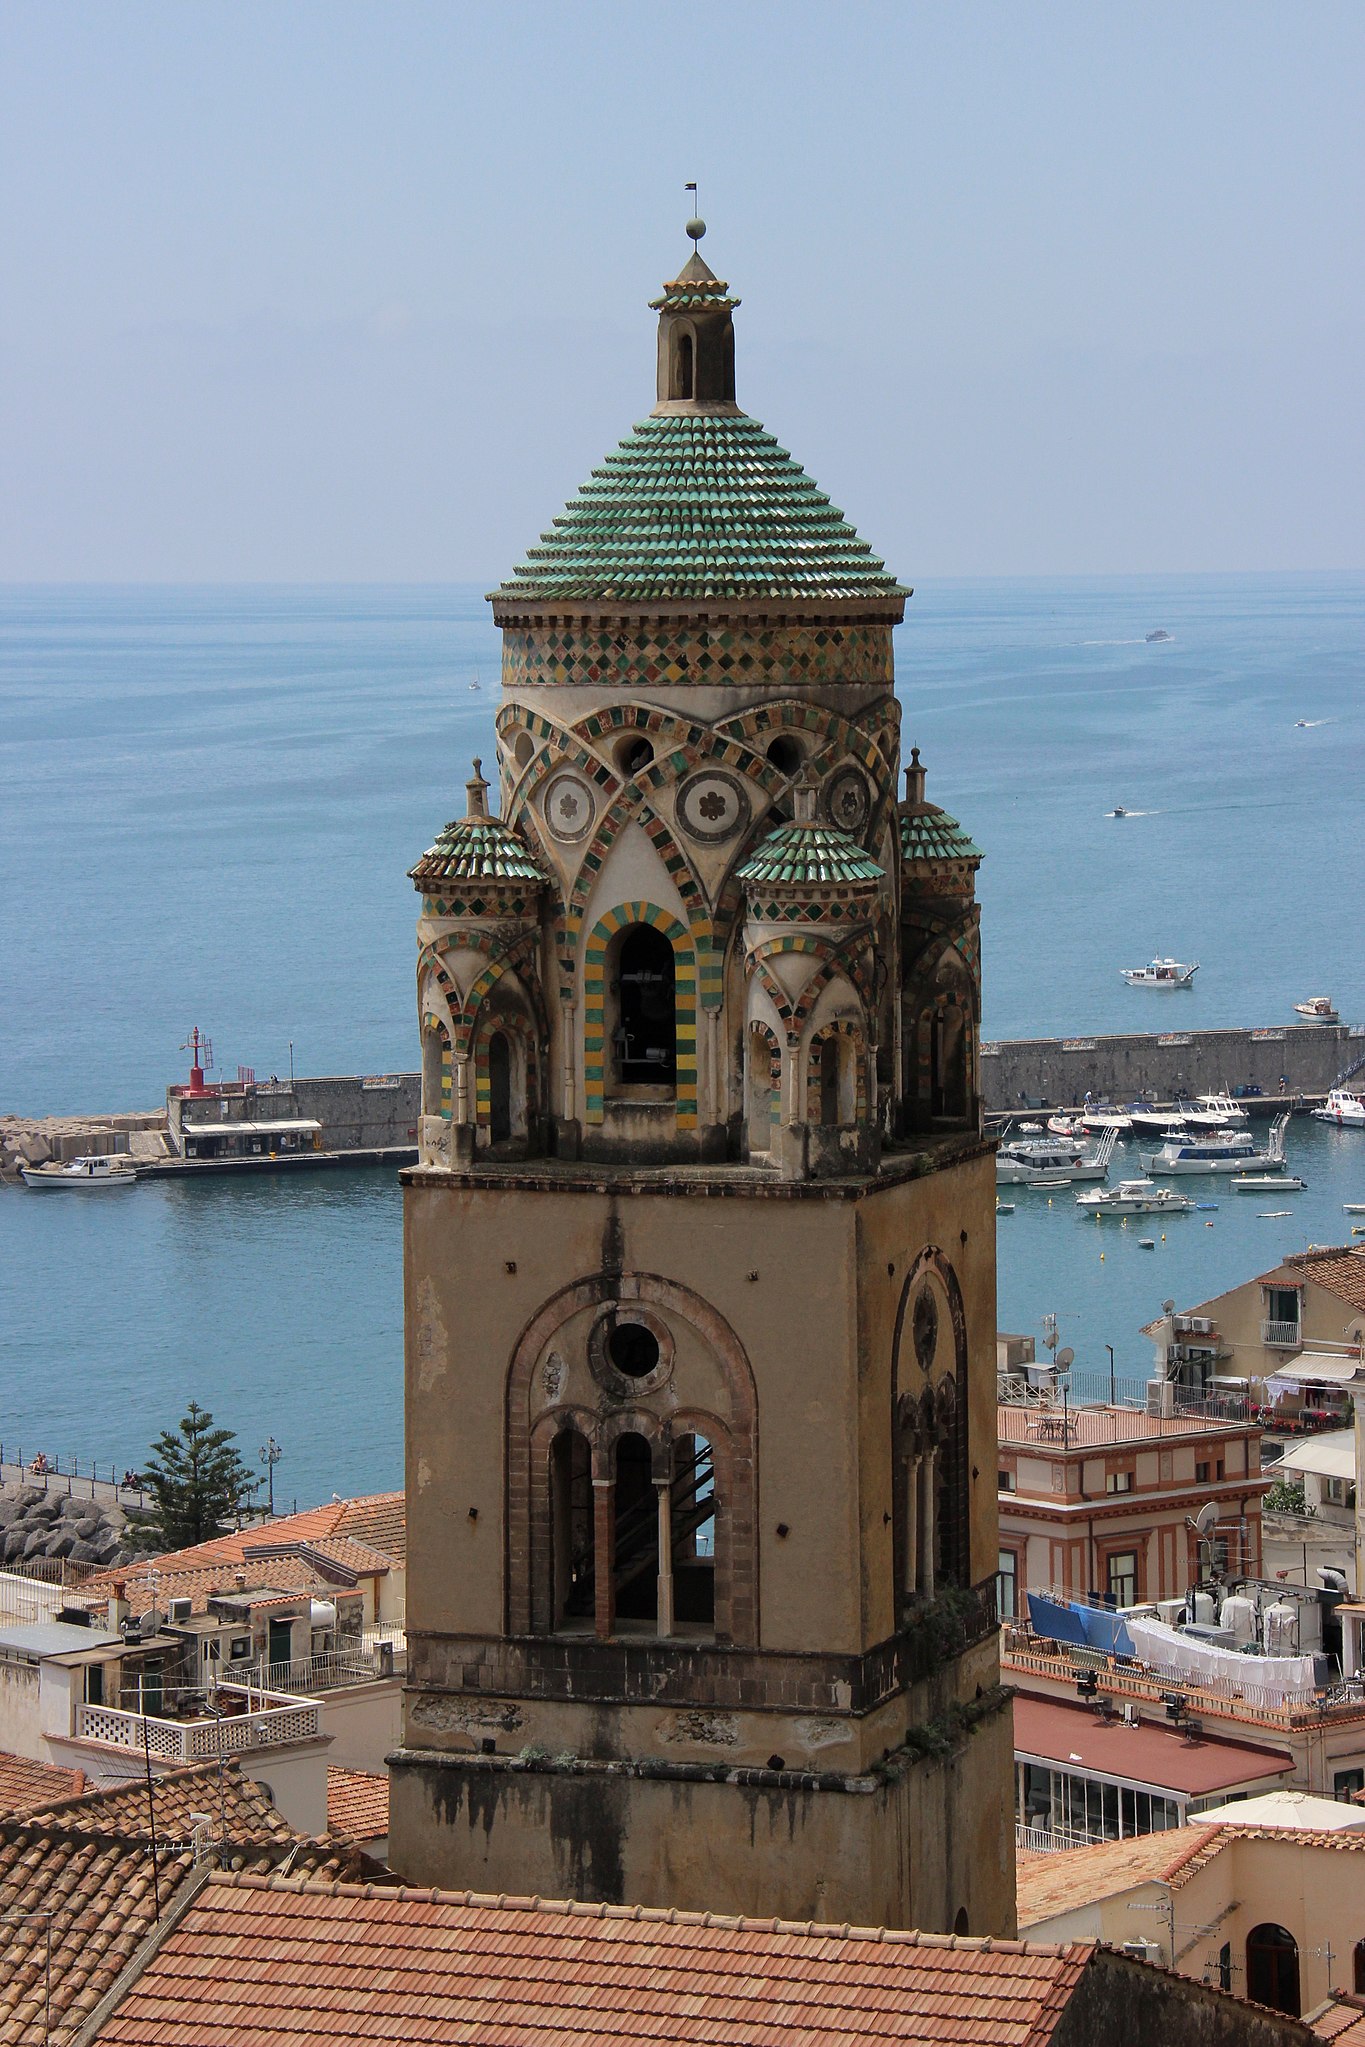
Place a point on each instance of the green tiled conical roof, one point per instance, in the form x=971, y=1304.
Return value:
x=477, y=849
x=930, y=834
x=809, y=855
x=700, y=505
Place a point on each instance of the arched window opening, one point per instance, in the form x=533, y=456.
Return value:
x=635, y=1532
x=644, y=1042
x=960, y=1924
x=499, y=1088
x=829, y=1081
x=435, y=1069
x=949, y=1056
x=762, y=1095
x=785, y=754
x=1359, y=1977
x=1273, y=1968
x=571, y=1523
x=727, y=357
x=523, y=747
x=685, y=365
x=634, y=755
x=834, y=1079
x=692, y=1518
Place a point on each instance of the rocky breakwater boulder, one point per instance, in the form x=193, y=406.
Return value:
x=35, y=1525
x=33, y=1140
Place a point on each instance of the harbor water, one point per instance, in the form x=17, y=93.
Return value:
x=208, y=802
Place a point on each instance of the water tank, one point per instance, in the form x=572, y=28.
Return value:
x=1280, y=1629
x=1239, y=1618
x=1205, y=1609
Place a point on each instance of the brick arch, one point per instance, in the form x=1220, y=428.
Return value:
x=754, y=1026
x=924, y=1416
x=839, y=1027
x=513, y=1024
x=733, y=1437
x=595, y=998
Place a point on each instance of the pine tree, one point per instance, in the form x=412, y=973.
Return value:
x=196, y=1478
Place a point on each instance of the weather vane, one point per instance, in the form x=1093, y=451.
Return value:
x=696, y=227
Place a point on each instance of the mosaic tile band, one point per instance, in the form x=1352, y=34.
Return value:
x=767, y=658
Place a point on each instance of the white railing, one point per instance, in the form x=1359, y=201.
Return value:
x=1050, y=1841
x=321, y=1673
x=1284, y=1335
x=275, y=1723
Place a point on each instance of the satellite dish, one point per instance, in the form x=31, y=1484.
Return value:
x=1168, y=1307
x=1206, y=1516
x=1064, y=1358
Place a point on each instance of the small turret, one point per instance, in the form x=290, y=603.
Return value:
x=696, y=337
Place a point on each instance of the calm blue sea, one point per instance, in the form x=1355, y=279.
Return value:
x=208, y=801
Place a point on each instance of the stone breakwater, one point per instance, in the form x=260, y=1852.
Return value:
x=35, y=1525
x=34, y=1140
x=1280, y=1061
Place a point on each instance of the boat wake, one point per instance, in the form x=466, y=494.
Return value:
x=1308, y=724
x=1132, y=813
x=1138, y=642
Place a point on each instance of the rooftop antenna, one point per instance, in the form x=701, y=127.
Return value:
x=696, y=226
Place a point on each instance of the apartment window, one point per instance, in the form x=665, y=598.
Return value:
x=1339, y=1492
x=1007, y=1481
x=1007, y=1585
x=1119, y=1482
x=1346, y=1783
x=1201, y=1474
x=1121, y=1577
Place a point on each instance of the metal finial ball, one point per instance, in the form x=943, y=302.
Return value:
x=696, y=228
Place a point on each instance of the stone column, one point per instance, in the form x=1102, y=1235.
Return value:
x=663, y=1489
x=604, y=1556
x=927, y=1473
x=911, y=1584
x=567, y=1024
x=461, y=1087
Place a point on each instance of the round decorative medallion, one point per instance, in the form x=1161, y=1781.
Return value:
x=569, y=808
x=925, y=1326
x=630, y=1350
x=713, y=805
x=846, y=801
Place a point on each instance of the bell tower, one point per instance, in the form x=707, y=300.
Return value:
x=699, y=1250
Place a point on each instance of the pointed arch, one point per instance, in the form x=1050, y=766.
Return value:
x=595, y=1007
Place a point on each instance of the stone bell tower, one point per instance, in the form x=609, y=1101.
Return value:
x=700, y=1247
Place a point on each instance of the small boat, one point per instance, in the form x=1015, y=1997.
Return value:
x=1318, y=1009
x=1161, y=974
x=1134, y=1197
x=1102, y=1118
x=1354, y=1207
x=1217, y=1111
x=83, y=1173
x=1273, y=1215
x=1038, y=1161
x=1118, y=811
x=1225, y=1151
x=1157, y=1122
x=1064, y=1126
x=1004, y=1208
x=1155, y=639
x=1268, y=1183
x=1344, y=1109
x=1031, y=1129
x=1146, y=1243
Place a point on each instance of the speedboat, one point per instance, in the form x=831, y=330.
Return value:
x=1157, y=1122
x=1354, y=1207
x=1268, y=1183
x=1134, y=1197
x=1318, y=1009
x=1227, y=1151
x=1118, y=811
x=83, y=1173
x=1219, y=1112
x=1342, y=1108
x=1161, y=974
x=1102, y=1118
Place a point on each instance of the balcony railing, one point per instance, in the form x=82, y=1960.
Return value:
x=1283, y=1335
x=274, y=1720
x=326, y=1673
x=1052, y=1840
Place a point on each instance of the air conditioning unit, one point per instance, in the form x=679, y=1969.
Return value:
x=179, y=1610
x=1142, y=1950
x=1172, y=1611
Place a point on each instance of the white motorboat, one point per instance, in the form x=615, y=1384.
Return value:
x=1027, y=1163
x=1318, y=1009
x=1134, y=1197
x=1227, y=1151
x=1157, y=1122
x=1098, y=1120
x=1268, y=1183
x=1222, y=1111
x=1343, y=1108
x=82, y=1173
x=1161, y=974
x=1354, y=1207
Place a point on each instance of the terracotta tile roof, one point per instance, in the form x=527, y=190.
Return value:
x=27, y=1786
x=377, y=1522
x=356, y=1559
x=381, y=1520
x=162, y=1578
x=1340, y=2017
x=1341, y=1269
x=84, y=1869
x=357, y=1804
x=1046, y=1885
x=255, y=1962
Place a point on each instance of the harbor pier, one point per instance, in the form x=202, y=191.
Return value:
x=1277, y=1066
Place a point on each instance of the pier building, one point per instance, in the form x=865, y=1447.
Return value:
x=700, y=1245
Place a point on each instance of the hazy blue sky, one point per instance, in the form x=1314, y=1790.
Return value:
x=358, y=291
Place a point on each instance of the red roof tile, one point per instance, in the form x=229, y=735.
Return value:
x=26, y=1785
x=357, y=1804
x=270, y=1963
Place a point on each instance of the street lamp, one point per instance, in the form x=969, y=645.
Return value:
x=271, y=1454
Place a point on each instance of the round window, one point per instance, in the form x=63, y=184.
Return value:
x=630, y=1350
x=633, y=1349
x=785, y=754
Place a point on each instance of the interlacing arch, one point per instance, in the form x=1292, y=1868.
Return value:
x=595, y=1007
x=756, y=1028
x=756, y=963
x=502, y=955
x=840, y=734
x=839, y=1027
x=939, y=935
x=512, y=1025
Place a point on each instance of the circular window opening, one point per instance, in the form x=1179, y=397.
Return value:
x=634, y=756
x=633, y=1349
x=784, y=754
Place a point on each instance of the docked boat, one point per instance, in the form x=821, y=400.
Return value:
x=1102, y=1117
x=81, y=1173
x=1354, y=1207
x=1161, y=974
x=1226, y=1151
x=1157, y=1122
x=1066, y=1126
x=1268, y=1183
x=1318, y=1009
x=1222, y=1112
x=1134, y=1197
x=1038, y=1161
x=1343, y=1108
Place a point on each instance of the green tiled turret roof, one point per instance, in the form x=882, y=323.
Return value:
x=700, y=505
x=809, y=855
x=930, y=834
x=477, y=849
